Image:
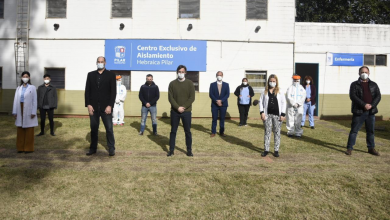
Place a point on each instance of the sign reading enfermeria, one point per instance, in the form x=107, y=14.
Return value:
x=155, y=55
x=344, y=59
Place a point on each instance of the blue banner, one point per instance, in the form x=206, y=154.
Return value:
x=155, y=55
x=345, y=59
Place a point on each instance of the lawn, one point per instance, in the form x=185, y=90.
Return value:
x=226, y=179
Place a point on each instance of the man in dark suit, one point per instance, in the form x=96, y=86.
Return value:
x=100, y=93
x=219, y=94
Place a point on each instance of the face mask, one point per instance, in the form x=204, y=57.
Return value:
x=307, y=81
x=364, y=76
x=46, y=81
x=244, y=83
x=100, y=66
x=118, y=82
x=296, y=83
x=25, y=80
x=219, y=78
x=149, y=82
x=272, y=84
x=180, y=75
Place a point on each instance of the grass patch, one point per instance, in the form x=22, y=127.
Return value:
x=226, y=179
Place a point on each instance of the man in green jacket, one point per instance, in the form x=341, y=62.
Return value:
x=181, y=95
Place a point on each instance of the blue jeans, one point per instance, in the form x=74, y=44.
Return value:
x=222, y=114
x=175, y=120
x=144, y=115
x=307, y=106
x=357, y=122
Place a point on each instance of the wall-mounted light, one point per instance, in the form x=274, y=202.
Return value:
x=121, y=26
x=257, y=29
x=56, y=26
x=189, y=27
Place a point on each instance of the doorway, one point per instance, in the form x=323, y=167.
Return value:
x=309, y=69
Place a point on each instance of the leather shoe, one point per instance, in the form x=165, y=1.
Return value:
x=90, y=153
x=111, y=152
x=265, y=153
x=212, y=135
x=222, y=134
x=312, y=127
x=52, y=134
x=276, y=153
x=170, y=153
x=189, y=153
x=155, y=133
x=373, y=152
x=348, y=152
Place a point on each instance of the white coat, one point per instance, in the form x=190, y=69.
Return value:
x=29, y=107
x=264, y=103
x=295, y=95
x=118, y=113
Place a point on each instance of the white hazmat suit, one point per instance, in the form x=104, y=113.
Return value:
x=118, y=113
x=296, y=96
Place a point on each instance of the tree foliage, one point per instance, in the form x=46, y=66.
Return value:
x=344, y=11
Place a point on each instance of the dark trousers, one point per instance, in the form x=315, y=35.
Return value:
x=175, y=120
x=357, y=122
x=243, y=110
x=95, y=122
x=222, y=113
x=50, y=113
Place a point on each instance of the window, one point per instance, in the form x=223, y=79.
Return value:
x=121, y=8
x=194, y=77
x=57, y=76
x=1, y=77
x=189, y=8
x=257, y=79
x=256, y=9
x=1, y=8
x=375, y=60
x=125, y=77
x=55, y=8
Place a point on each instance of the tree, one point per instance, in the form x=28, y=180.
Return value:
x=344, y=11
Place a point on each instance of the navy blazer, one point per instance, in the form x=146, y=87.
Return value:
x=214, y=94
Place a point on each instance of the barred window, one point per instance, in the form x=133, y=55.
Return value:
x=375, y=60
x=257, y=80
x=56, y=8
x=121, y=8
x=189, y=8
x=256, y=9
x=194, y=77
x=57, y=77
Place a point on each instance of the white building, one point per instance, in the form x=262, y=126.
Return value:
x=244, y=38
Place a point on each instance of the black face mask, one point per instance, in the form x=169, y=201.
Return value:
x=149, y=82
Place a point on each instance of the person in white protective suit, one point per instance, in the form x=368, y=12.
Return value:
x=296, y=96
x=118, y=113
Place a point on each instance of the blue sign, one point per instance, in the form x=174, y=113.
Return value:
x=345, y=59
x=155, y=55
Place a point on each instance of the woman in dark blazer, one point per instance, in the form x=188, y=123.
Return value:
x=310, y=101
x=244, y=93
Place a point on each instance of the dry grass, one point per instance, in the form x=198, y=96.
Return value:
x=227, y=178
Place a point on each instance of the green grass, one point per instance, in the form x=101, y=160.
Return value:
x=226, y=179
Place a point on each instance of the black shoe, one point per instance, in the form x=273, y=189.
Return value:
x=189, y=153
x=28, y=152
x=52, y=134
x=290, y=136
x=90, y=153
x=155, y=133
x=40, y=134
x=111, y=152
x=141, y=133
x=264, y=153
x=239, y=124
x=301, y=126
x=276, y=153
x=170, y=153
x=19, y=152
x=312, y=127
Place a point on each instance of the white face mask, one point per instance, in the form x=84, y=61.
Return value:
x=307, y=81
x=25, y=80
x=100, y=66
x=180, y=75
x=118, y=82
x=46, y=81
x=219, y=78
x=364, y=76
x=244, y=83
x=296, y=83
x=272, y=84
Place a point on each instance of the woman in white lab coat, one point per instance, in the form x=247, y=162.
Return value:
x=25, y=111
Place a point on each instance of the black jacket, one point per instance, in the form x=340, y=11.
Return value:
x=149, y=94
x=51, y=96
x=104, y=94
x=356, y=96
x=238, y=92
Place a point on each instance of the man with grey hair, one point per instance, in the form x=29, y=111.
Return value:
x=219, y=94
x=100, y=94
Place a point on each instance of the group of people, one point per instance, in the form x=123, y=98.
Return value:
x=105, y=96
